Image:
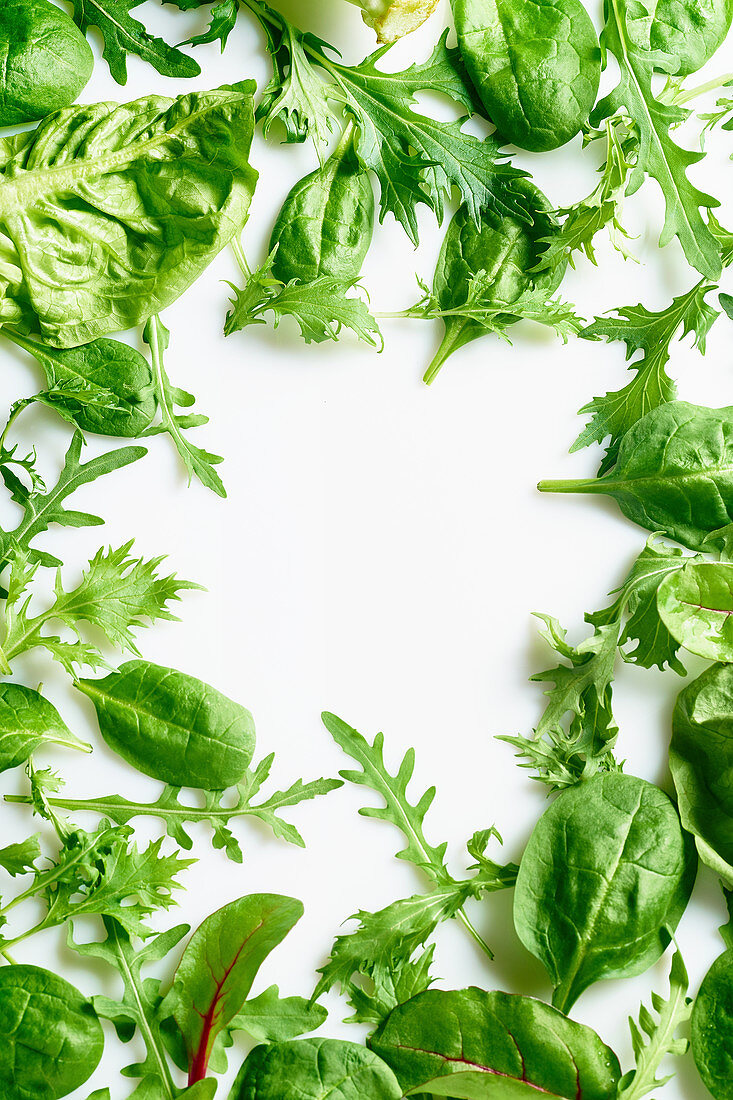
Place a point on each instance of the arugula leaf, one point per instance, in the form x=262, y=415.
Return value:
x=391, y=936
x=321, y=308
x=198, y=462
x=650, y=333
x=41, y=508
x=138, y=1008
x=223, y=21
x=654, y=1038
x=124, y=35
x=19, y=859
x=176, y=814
x=415, y=158
x=117, y=593
x=658, y=155
x=390, y=986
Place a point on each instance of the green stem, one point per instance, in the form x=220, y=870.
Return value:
x=702, y=89
x=8, y=957
x=590, y=485
x=241, y=258
x=471, y=928
x=450, y=343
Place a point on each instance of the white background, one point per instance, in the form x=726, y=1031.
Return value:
x=380, y=554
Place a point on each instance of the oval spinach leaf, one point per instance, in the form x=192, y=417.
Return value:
x=696, y=606
x=536, y=66
x=173, y=727
x=674, y=473
x=46, y=60
x=701, y=761
x=326, y=223
x=712, y=1028
x=501, y=253
x=114, y=383
x=27, y=720
x=449, y=1042
x=314, y=1069
x=687, y=32
x=52, y=1039
x=219, y=965
x=131, y=203
x=605, y=877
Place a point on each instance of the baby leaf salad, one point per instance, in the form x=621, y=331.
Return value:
x=109, y=212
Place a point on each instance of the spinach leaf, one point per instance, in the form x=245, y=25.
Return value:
x=27, y=720
x=139, y=1007
x=172, y=726
x=46, y=62
x=701, y=761
x=131, y=203
x=696, y=605
x=712, y=1023
x=483, y=279
x=457, y=1043
x=674, y=473
x=415, y=158
x=655, y=1036
x=392, y=19
x=688, y=32
x=113, y=381
x=218, y=967
x=316, y=1068
x=326, y=223
x=219, y=810
x=603, y=882
x=198, y=462
x=52, y=1040
x=123, y=35
x=659, y=156
x=536, y=67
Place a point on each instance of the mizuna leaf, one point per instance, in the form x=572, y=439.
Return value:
x=658, y=156
x=218, y=967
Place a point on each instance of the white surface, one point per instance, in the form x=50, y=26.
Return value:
x=379, y=555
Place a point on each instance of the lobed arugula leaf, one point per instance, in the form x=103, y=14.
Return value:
x=655, y=1037
x=198, y=462
x=20, y=858
x=123, y=35
x=41, y=508
x=658, y=155
x=138, y=1008
x=176, y=814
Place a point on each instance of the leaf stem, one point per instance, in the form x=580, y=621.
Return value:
x=709, y=86
x=589, y=485
x=473, y=931
x=241, y=258
x=8, y=957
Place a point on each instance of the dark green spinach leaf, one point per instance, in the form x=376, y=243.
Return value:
x=469, y=1043
x=52, y=1039
x=603, y=882
x=27, y=720
x=316, y=1068
x=536, y=66
x=46, y=62
x=172, y=726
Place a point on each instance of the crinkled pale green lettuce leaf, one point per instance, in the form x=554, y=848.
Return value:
x=392, y=19
x=108, y=213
